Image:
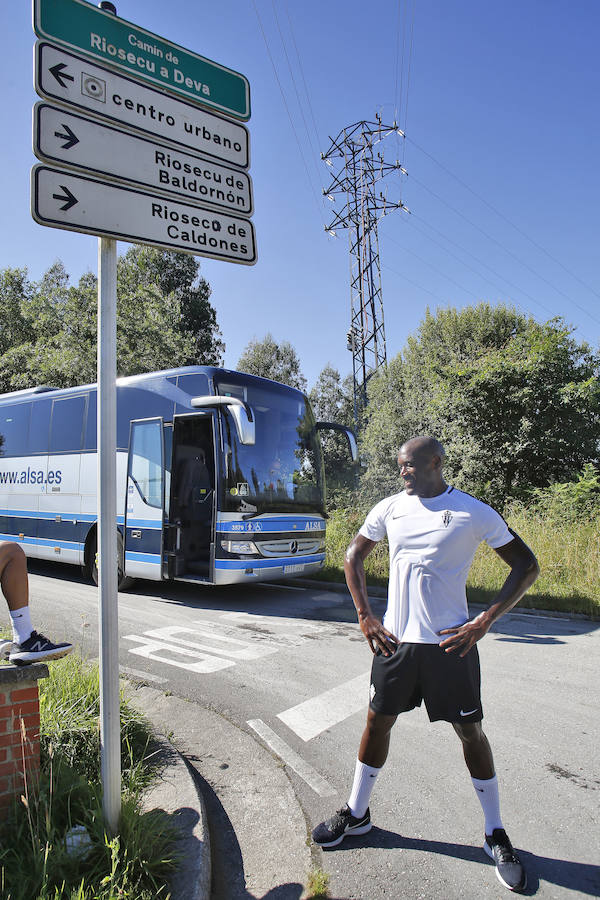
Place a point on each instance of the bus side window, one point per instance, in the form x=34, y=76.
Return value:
x=39, y=426
x=90, y=438
x=14, y=429
x=66, y=431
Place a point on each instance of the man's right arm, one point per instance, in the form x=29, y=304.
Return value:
x=377, y=636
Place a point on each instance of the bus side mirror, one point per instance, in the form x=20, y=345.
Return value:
x=343, y=429
x=241, y=412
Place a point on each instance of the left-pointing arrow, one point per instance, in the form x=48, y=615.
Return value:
x=67, y=197
x=59, y=74
x=69, y=137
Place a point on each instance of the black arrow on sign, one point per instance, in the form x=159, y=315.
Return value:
x=58, y=73
x=69, y=199
x=70, y=138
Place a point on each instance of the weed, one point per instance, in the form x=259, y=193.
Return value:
x=34, y=860
x=318, y=885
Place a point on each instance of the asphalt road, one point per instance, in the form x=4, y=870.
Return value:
x=288, y=666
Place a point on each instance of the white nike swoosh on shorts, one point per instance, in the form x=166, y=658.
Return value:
x=470, y=712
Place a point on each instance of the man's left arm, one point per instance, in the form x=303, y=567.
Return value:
x=524, y=570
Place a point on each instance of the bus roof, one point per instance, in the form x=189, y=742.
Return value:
x=139, y=380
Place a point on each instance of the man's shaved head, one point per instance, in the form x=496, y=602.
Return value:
x=424, y=447
x=421, y=460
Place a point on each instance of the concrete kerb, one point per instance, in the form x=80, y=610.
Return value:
x=381, y=593
x=176, y=796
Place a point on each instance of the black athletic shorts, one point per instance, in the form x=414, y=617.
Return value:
x=449, y=684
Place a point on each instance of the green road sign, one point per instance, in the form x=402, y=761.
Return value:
x=77, y=24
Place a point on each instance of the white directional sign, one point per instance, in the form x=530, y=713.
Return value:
x=78, y=82
x=68, y=139
x=77, y=203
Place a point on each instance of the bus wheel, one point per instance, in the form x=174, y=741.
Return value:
x=123, y=581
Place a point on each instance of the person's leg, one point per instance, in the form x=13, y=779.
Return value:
x=15, y=587
x=480, y=763
x=476, y=749
x=27, y=645
x=372, y=754
x=13, y=575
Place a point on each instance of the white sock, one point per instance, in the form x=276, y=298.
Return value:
x=364, y=782
x=21, y=624
x=487, y=792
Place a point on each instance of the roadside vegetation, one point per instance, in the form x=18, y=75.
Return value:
x=561, y=523
x=36, y=861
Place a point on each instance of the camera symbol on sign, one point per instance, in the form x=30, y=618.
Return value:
x=93, y=87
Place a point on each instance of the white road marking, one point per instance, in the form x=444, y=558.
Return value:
x=212, y=640
x=150, y=649
x=147, y=676
x=310, y=718
x=291, y=759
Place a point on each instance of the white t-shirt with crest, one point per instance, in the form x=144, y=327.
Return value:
x=432, y=544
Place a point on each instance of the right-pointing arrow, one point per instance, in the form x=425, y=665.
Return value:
x=59, y=74
x=69, y=137
x=68, y=198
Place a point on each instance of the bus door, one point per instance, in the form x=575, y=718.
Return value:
x=190, y=544
x=145, y=500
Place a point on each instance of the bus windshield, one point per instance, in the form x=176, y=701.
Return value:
x=283, y=470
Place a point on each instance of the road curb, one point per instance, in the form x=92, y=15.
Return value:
x=175, y=794
x=380, y=593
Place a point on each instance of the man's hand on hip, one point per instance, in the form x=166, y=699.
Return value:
x=463, y=637
x=379, y=638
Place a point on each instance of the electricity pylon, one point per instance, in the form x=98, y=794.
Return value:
x=360, y=170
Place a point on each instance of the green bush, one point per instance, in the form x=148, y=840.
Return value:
x=561, y=525
x=34, y=862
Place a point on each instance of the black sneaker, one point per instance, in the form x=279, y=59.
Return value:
x=335, y=829
x=509, y=867
x=37, y=648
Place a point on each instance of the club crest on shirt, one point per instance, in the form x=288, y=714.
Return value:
x=447, y=518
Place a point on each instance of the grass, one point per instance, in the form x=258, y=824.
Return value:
x=34, y=862
x=318, y=885
x=567, y=551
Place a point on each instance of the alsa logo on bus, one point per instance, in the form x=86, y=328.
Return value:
x=31, y=476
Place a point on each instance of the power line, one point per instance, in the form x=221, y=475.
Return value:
x=287, y=109
x=506, y=250
x=505, y=218
x=480, y=261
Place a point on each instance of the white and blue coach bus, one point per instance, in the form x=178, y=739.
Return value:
x=219, y=477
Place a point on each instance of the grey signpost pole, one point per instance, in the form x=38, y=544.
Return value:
x=110, y=725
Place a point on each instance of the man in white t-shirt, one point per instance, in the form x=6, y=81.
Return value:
x=425, y=648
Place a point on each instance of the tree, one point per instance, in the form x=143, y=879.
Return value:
x=14, y=296
x=175, y=277
x=515, y=402
x=331, y=401
x=164, y=320
x=269, y=359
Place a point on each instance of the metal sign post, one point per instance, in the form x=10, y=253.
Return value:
x=110, y=726
x=197, y=200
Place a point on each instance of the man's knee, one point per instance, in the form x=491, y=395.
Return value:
x=469, y=732
x=11, y=552
x=379, y=725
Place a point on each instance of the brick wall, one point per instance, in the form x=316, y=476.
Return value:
x=19, y=731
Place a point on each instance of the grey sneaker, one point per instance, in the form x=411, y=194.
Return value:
x=509, y=867
x=37, y=648
x=333, y=831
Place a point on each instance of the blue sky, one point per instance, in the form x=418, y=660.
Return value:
x=499, y=102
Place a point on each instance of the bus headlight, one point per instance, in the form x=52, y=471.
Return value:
x=240, y=547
